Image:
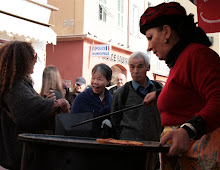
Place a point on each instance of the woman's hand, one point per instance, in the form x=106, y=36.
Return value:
x=50, y=95
x=180, y=142
x=64, y=105
x=150, y=98
x=60, y=106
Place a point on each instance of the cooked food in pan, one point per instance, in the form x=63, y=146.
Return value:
x=119, y=142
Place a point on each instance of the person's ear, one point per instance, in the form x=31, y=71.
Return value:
x=167, y=31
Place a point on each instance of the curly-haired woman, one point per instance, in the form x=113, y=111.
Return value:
x=22, y=108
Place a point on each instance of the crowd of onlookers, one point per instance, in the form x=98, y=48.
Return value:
x=24, y=110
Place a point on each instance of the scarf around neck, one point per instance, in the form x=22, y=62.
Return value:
x=175, y=52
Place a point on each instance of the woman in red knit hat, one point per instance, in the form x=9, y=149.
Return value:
x=189, y=102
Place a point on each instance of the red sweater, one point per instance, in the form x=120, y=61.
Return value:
x=192, y=88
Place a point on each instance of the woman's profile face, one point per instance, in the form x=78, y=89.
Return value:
x=98, y=83
x=156, y=42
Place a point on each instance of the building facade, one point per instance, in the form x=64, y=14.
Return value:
x=85, y=25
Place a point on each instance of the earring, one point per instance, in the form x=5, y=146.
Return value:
x=166, y=41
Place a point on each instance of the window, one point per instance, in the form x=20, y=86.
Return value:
x=120, y=13
x=167, y=70
x=135, y=21
x=158, y=66
x=102, y=11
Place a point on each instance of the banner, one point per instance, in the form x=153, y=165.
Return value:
x=101, y=50
x=209, y=15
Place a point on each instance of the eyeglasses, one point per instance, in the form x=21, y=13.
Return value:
x=77, y=84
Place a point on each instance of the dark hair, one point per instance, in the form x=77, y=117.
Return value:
x=16, y=60
x=104, y=69
x=184, y=26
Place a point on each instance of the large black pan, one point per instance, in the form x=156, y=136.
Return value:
x=77, y=153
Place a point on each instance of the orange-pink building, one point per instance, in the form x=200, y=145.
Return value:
x=81, y=25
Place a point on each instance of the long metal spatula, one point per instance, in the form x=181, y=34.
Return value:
x=104, y=116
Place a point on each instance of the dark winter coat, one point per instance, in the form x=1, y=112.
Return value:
x=88, y=101
x=27, y=112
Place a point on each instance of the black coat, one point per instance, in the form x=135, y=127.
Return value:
x=27, y=112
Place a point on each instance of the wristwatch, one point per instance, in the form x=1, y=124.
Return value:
x=190, y=130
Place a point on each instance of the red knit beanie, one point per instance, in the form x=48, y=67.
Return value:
x=161, y=10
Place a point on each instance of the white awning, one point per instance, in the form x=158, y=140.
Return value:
x=17, y=26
